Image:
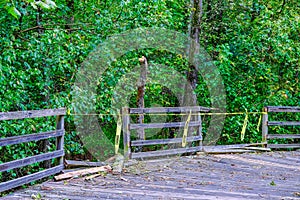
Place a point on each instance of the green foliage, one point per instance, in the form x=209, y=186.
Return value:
x=254, y=44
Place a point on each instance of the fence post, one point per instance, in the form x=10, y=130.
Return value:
x=126, y=132
x=60, y=139
x=199, y=130
x=265, y=125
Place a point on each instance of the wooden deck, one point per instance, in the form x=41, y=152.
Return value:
x=272, y=175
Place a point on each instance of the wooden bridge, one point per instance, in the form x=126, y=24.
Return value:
x=272, y=175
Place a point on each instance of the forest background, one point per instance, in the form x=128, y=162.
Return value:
x=253, y=43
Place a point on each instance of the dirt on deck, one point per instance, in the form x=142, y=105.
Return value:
x=272, y=175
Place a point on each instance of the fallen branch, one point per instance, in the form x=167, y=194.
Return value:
x=83, y=172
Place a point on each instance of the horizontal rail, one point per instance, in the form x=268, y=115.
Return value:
x=283, y=136
x=165, y=152
x=30, y=137
x=283, y=109
x=30, y=160
x=29, y=178
x=281, y=123
x=32, y=114
x=283, y=146
x=170, y=109
x=164, y=141
x=163, y=125
x=77, y=163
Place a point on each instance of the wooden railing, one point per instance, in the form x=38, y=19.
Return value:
x=266, y=123
x=127, y=127
x=59, y=153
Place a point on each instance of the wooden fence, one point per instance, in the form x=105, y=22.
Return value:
x=266, y=123
x=127, y=127
x=59, y=153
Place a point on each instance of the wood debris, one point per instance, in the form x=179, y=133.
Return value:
x=83, y=172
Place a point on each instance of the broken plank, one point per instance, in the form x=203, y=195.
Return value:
x=83, y=172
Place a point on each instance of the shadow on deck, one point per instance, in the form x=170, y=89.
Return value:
x=272, y=175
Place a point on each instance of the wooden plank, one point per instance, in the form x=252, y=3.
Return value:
x=77, y=163
x=163, y=125
x=126, y=132
x=226, y=151
x=283, y=109
x=274, y=136
x=83, y=172
x=165, y=152
x=32, y=114
x=285, y=123
x=170, y=109
x=163, y=141
x=29, y=178
x=30, y=137
x=283, y=146
x=265, y=125
x=30, y=160
x=60, y=139
x=234, y=146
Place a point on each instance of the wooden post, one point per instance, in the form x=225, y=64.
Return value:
x=199, y=130
x=141, y=94
x=126, y=132
x=265, y=125
x=60, y=139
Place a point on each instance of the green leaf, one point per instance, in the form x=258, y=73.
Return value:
x=51, y=3
x=14, y=12
x=33, y=5
x=42, y=5
x=3, y=3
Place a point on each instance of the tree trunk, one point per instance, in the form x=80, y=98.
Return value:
x=188, y=98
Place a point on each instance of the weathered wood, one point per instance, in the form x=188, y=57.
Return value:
x=163, y=141
x=283, y=109
x=226, y=151
x=234, y=146
x=283, y=123
x=29, y=178
x=59, y=153
x=31, y=114
x=283, y=146
x=170, y=109
x=126, y=132
x=199, y=131
x=165, y=152
x=60, y=139
x=265, y=125
x=30, y=160
x=163, y=125
x=30, y=137
x=234, y=177
x=77, y=163
x=282, y=136
x=141, y=94
x=83, y=172
x=256, y=148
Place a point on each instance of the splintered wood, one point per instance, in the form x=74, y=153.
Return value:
x=83, y=172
